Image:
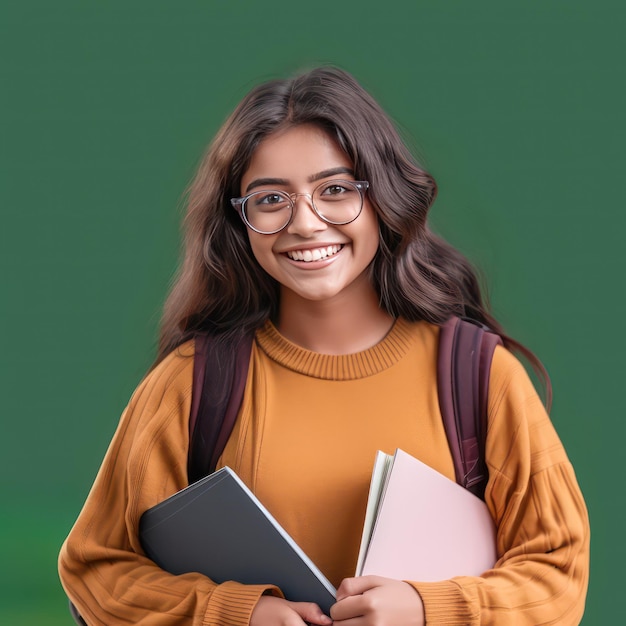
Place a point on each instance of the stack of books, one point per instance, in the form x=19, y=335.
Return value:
x=419, y=525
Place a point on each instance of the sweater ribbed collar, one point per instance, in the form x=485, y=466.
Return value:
x=336, y=367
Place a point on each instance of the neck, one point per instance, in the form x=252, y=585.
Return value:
x=337, y=326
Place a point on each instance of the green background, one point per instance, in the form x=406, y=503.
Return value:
x=106, y=107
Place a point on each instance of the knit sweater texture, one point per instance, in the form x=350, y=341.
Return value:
x=304, y=443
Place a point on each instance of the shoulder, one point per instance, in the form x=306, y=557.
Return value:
x=520, y=432
x=509, y=382
x=168, y=385
x=421, y=334
x=155, y=426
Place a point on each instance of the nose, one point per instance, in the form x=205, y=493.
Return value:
x=305, y=220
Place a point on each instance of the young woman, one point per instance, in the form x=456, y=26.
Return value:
x=307, y=223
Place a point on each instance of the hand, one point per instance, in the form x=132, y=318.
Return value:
x=377, y=601
x=272, y=611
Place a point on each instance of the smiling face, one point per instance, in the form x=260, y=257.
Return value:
x=311, y=259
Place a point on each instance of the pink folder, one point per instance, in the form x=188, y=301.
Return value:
x=428, y=527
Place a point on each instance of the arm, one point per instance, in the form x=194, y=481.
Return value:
x=101, y=564
x=543, y=532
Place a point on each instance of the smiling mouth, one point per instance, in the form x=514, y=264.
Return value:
x=313, y=254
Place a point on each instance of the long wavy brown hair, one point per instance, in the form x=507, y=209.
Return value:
x=222, y=289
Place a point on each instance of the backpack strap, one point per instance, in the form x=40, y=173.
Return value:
x=220, y=370
x=465, y=353
x=464, y=361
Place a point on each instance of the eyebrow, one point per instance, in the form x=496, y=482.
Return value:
x=262, y=182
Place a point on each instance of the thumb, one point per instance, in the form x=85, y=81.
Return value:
x=310, y=612
x=358, y=585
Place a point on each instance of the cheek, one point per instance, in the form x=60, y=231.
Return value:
x=262, y=249
x=370, y=235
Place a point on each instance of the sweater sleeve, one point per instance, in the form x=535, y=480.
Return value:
x=102, y=565
x=542, y=525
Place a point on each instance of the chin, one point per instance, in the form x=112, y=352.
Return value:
x=319, y=294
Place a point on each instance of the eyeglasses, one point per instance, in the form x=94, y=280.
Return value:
x=336, y=202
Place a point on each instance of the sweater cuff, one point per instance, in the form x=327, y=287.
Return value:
x=231, y=603
x=444, y=603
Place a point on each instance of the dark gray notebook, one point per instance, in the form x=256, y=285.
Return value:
x=217, y=527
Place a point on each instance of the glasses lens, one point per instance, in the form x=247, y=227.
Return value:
x=268, y=211
x=338, y=201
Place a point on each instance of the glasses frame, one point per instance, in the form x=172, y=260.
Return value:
x=240, y=203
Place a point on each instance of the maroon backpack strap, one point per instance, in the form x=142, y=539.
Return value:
x=220, y=371
x=465, y=353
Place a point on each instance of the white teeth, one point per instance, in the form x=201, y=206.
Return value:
x=313, y=255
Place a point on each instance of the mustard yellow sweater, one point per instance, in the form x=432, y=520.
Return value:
x=304, y=443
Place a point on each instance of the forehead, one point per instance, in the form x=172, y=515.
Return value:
x=295, y=155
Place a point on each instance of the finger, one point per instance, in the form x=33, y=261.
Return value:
x=310, y=612
x=350, y=607
x=358, y=585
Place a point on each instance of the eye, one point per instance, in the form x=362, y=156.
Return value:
x=334, y=189
x=268, y=202
x=269, y=198
x=337, y=191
